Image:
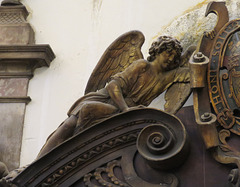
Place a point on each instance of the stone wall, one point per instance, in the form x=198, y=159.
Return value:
x=79, y=32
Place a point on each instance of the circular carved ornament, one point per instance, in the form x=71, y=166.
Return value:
x=224, y=76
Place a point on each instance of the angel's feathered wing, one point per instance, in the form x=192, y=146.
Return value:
x=117, y=57
x=178, y=93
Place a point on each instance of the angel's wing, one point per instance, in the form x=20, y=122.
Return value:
x=176, y=96
x=117, y=57
x=178, y=93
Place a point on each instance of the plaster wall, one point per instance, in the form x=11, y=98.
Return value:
x=79, y=31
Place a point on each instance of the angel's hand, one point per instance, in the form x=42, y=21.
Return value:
x=116, y=95
x=211, y=34
x=133, y=108
x=125, y=109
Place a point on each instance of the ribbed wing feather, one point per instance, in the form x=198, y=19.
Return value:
x=176, y=96
x=178, y=93
x=117, y=57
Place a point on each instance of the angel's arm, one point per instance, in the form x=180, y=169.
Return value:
x=177, y=94
x=122, y=82
x=186, y=55
x=182, y=75
x=116, y=95
x=179, y=91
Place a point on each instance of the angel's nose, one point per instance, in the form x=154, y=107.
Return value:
x=171, y=58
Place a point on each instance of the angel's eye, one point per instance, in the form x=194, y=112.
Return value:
x=169, y=49
x=169, y=53
x=154, y=44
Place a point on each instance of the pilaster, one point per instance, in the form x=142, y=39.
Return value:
x=19, y=57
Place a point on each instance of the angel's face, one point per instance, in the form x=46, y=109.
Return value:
x=168, y=60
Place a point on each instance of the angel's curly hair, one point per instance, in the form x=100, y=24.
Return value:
x=164, y=43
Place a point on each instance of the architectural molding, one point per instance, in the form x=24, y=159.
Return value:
x=26, y=99
x=19, y=57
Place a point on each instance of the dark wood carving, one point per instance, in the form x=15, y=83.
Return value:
x=146, y=147
x=123, y=80
x=110, y=157
x=89, y=159
x=220, y=87
x=121, y=83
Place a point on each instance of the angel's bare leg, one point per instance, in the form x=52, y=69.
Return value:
x=94, y=111
x=88, y=112
x=3, y=170
x=63, y=132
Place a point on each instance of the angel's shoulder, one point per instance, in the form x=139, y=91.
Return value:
x=140, y=65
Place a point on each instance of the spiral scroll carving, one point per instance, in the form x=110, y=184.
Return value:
x=164, y=146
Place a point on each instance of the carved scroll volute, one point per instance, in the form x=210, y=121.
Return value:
x=164, y=146
x=200, y=92
x=221, y=11
x=203, y=116
x=207, y=40
x=198, y=67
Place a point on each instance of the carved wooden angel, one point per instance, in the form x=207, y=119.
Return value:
x=122, y=80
